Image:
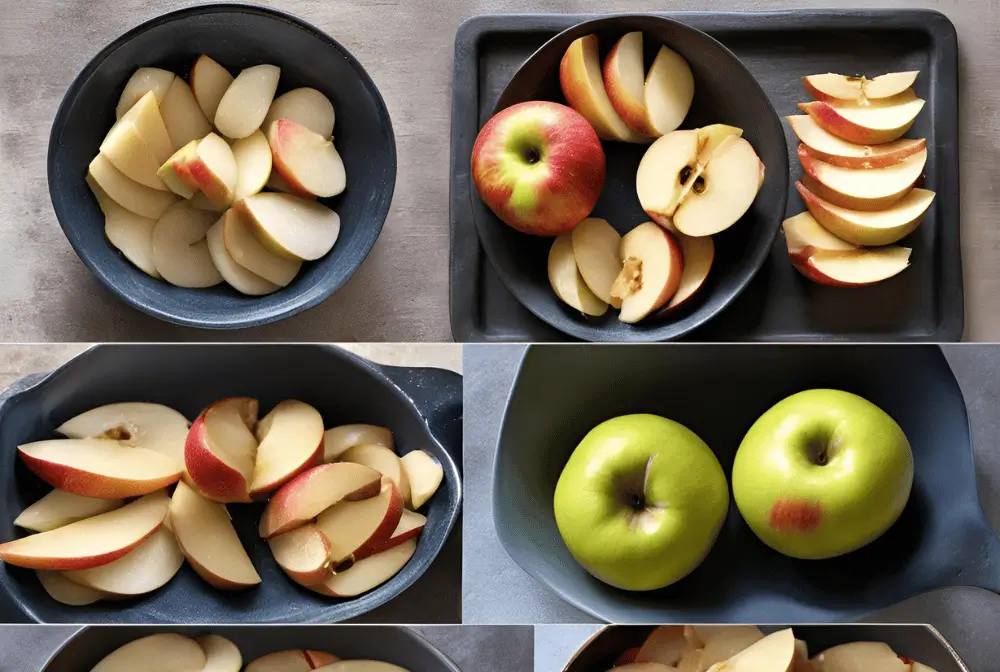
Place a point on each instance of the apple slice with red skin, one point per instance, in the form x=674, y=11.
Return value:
x=60, y=508
x=90, y=542
x=308, y=161
x=384, y=461
x=869, y=189
x=221, y=449
x=860, y=227
x=669, y=91
x=852, y=268
x=156, y=653
x=362, y=666
x=424, y=475
x=221, y=655
x=303, y=554
x=698, y=255
x=827, y=147
x=312, y=492
x=337, y=440
x=860, y=656
x=410, y=526
x=625, y=83
x=652, y=272
x=596, y=248
x=291, y=441
x=875, y=124
x=832, y=87
x=356, y=529
x=64, y=591
x=304, y=106
x=803, y=231
x=291, y=227
x=320, y=659
x=368, y=573
x=213, y=168
x=142, y=570
x=209, y=82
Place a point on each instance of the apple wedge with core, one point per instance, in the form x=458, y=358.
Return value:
x=60, y=508
x=860, y=227
x=723, y=192
x=368, y=573
x=207, y=539
x=596, y=248
x=304, y=106
x=138, y=144
x=567, y=282
x=337, y=440
x=827, y=147
x=669, y=91
x=248, y=252
x=143, y=81
x=312, y=492
x=291, y=441
x=303, y=554
x=146, y=568
x=221, y=655
x=235, y=275
x=874, y=124
x=625, y=82
x=665, y=171
x=129, y=194
x=247, y=100
x=853, y=268
x=698, y=255
x=64, y=591
x=291, y=227
x=153, y=426
x=182, y=116
x=180, y=251
x=857, y=656
x=360, y=528
x=384, y=461
x=424, y=474
x=209, y=82
x=99, y=467
x=308, y=161
x=869, y=189
x=803, y=231
x=253, y=163
x=155, y=653
x=220, y=450
x=90, y=542
x=653, y=266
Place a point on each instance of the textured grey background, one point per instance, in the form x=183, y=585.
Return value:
x=401, y=291
x=482, y=649
x=496, y=590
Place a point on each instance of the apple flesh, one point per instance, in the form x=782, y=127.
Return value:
x=235, y=275
x=870, y=228
x=870, y=189
x=411, y=524
x=368, y=573
x=773, y=653
x=221, y=655
x=248, y=252
x=209, y=82
x=424, y=475
x=723, y=192
x=291, y=441
x=60, y=508
x=245, y=103
x=64, y=591
x=384, y=461
x=220, y=450
x=357, y=529
x=253, y=164
x=625, y=83
x=182, y=116
x=827, y=147
x=146, y=568
x=138, y=143
x=308, y=161
x=664, y=172
x=567, y=282
x=721, y=643
x=213, y=169
x=664, y=646
x=880, y=122
x=803, y=231
x=698, y=254
x=291, y=227
x=155, y=653
x=361, y=666
x=144, y=80
x=852, y=268
x=303, y=554
x=337, y=440
x=180, y=251
x=130, y=195
x=860, y=656
x=651, y=275
x=669, y=91
x=596, y=249
x=832, y=87
x=131, y=235
x=175, y=173
x=304, y=106
x=281, y=661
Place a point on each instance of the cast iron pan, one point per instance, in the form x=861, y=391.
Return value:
x=718, y=391
x=725, y=92
x=917, y=642
x=423, y=407
x=237, y=36
x=396, y=645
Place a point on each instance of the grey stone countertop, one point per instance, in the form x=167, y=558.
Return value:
x=496, y=590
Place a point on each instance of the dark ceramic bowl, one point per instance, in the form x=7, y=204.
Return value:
x=237, y=36
x=725, y=92
x=941, y=539
x=395, y=645
x=917, y=642
x=423, y=407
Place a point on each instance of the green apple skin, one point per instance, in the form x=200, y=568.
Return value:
x=681, y=483
x=809, y=510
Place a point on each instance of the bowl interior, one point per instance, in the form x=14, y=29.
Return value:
x=719, y=392
x=344, y=388
x=725, y=92
x=237, y=37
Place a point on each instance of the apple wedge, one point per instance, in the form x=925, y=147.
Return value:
x=384, y=461
x=182, y=115
x=235, y=275
x=281, y=661
x=831, y=87
x=723, y=192
x=887, y=86
x=653, y=266
x=153, y=426
x=568, y=283
x=138, y=143
x=207, y=539
x=291, y=441
x=870, y=189
x=200, y=202
x=213, y=169
x=308, y=161
x=860, y=656
x=669, y=91
x=828, y=147
x=165, y=652
x=143, y=81
x=369, y=573
x=411, y=524
x=698, y=255
x=358, y=529
x=247, y=100
x=625, y=82
x=130, y=195
x=312, y=492
x=303, y=554
x=337, y=440
x=221, y=655
x=666, y=169
x=664, y=645
x=852, y=268
x=90, y=542
x=773, y=653
x=291, y=227
x=361, y=666
x=99, y=467
x=220, y=450
x=802, y=231
x=209, y=82
x=277, y=183
x=720, y=643
x=66, y=592
x=60, y=508
x=596, y=248
x=132, y=235
x=142, y=570
x=304, y=106
x=253, y=164
x=870, y=228
x=879, y=122
x=248, y=252
x=583, y=86
x=180, y=251
x=175, y=172
x=424, y=475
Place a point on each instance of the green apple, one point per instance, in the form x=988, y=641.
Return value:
x=641, y=501
x=822, y=473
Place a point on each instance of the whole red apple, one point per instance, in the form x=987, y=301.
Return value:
x=539, y=166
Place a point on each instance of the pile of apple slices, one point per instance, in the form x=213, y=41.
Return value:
x=859, y=181
x=181, y=175
x=213, y=653
x=744, y=648
x=110, y=529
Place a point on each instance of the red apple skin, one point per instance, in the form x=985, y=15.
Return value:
x=318, y=659
x=212, y=477
x=789, y=515
x=379, y=540
x=555, y=194
x=316, y=459
x=803, y=264
x=282, y=127
x=830, y=120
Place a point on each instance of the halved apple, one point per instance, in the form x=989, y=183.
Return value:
x=66, y=592
x=653, y=266
x=583, y=86
x=143, y=81
x=802, y=231
x=828, y=147
x=281, y=661
x=132, y=235
x=869, y=189
x=664, y=645
x=384, y=461
x=308, y=161
x=248, y=252
x=303, y=554
x=698, y=255
x=877, y=123
x=90, y=542
x=127, y=193
x=213, y=168
x=357, y=529
x=710, y=138
x=311, y=492
x=304, y=106
x=625, y=82
x=566, y=281
x=245, y=103
x=291, y=441
x=664, y=172
x=337, y=440
x=253, y=163
x=368, y=573
x=424, y=475
x=852, y=268
x=153, y=426
x=142, y=570
x=596, y=248
x=182, y=115
x=221, y=655
x=209, y=82
x=180, y=251
x=236, y=276
x=832, y=87
x=857, y=656
x=207, y=539
x=723, y=192
x=138, y=143
x=883, y=227
x=669, y=91
x=220, y=449
x=165, y=652
x=291, y=227
x=99, y=467
x=60, y=508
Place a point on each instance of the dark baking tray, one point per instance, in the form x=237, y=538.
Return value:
x=423, y=406
x=926, y=303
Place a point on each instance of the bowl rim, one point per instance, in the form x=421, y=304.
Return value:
x=296, y=303
x=690, y=320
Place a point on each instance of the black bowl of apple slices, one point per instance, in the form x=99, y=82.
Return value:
x=222, y=166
